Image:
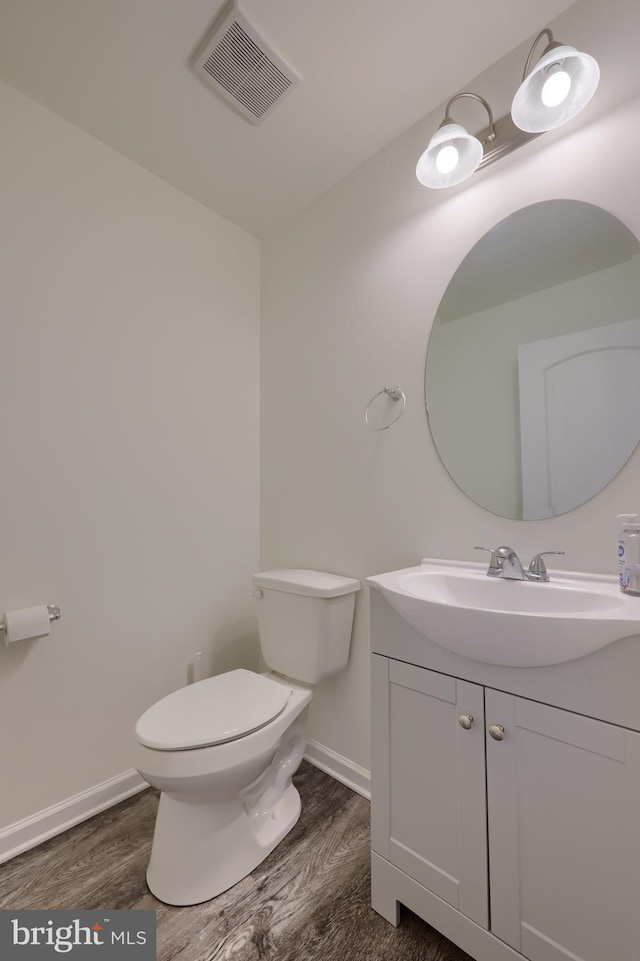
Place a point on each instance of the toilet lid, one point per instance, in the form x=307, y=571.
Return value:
x=219, y=709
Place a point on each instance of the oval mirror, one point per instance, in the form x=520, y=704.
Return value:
x=532, y=380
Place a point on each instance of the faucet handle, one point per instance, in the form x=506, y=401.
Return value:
x=537, y=568
x=495, y=568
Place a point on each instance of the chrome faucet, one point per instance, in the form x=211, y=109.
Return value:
x=506, y=563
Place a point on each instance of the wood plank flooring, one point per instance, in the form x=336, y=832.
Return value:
x=309, y=901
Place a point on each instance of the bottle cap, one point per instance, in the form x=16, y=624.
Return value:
x=630, y=522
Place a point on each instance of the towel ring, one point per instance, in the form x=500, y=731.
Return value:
x=394, y=393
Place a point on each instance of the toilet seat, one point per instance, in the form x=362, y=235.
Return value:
x=214, y=711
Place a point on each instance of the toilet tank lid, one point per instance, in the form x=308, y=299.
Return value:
x=310, y=583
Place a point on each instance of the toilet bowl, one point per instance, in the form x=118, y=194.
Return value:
x=222, y=751
x=225, y=804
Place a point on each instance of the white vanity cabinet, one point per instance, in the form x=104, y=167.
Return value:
x=564, y=830
x=432, y=828
x=524, y=843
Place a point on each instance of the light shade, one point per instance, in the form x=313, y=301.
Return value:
x=438, y=166
x=529, y=111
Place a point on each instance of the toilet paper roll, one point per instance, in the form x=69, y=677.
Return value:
x=25, y=623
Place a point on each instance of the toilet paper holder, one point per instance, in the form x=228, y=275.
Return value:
x=54, y=614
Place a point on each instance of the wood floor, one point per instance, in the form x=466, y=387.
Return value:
x=309, y=901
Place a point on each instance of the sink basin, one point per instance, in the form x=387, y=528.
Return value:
x=508, y=622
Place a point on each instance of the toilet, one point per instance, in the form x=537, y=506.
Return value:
x=222, y=751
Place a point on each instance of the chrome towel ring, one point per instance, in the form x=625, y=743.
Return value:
x=393, y=393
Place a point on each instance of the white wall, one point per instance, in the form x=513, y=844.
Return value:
x=129, y=449
x=350, y=290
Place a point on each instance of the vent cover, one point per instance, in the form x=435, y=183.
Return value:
x=241, y=66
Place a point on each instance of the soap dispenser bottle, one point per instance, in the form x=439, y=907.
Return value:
x=629, y=554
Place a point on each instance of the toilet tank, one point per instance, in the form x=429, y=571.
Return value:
x=305, y=620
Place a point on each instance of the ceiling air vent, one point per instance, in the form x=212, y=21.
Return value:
x=241, y=66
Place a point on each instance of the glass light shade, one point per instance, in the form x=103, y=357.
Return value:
x=469, y=149
x=529, y=111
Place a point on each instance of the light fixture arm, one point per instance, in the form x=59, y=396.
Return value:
x=550, y=45
x=472, y=96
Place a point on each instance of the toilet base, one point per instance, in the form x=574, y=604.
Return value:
x=200, y=850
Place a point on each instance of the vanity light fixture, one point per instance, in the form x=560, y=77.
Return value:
x=558, y=86
x=453, y=154
x=562, y=82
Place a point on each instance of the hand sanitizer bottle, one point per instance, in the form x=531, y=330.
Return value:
x=629, y=554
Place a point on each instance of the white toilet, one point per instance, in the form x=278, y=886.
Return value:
x=223, y=751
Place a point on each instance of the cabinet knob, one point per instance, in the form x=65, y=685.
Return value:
x=497, y=732
x=465, y=721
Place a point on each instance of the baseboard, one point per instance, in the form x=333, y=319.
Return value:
x=341, y=768
x=23, y=835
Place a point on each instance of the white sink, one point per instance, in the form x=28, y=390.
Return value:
x=509, y=622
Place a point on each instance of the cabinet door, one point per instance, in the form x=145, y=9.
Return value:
x=428, y=790
x=564, y=833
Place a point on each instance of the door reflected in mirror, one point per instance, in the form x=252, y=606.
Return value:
x=532, y=379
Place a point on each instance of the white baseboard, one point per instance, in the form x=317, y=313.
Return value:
x=25, y=834
x=341, y=768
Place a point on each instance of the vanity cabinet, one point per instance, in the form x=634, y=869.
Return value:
x=432, y=828
x=510, y=825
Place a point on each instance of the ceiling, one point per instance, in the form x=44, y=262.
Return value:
x=120, y=70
